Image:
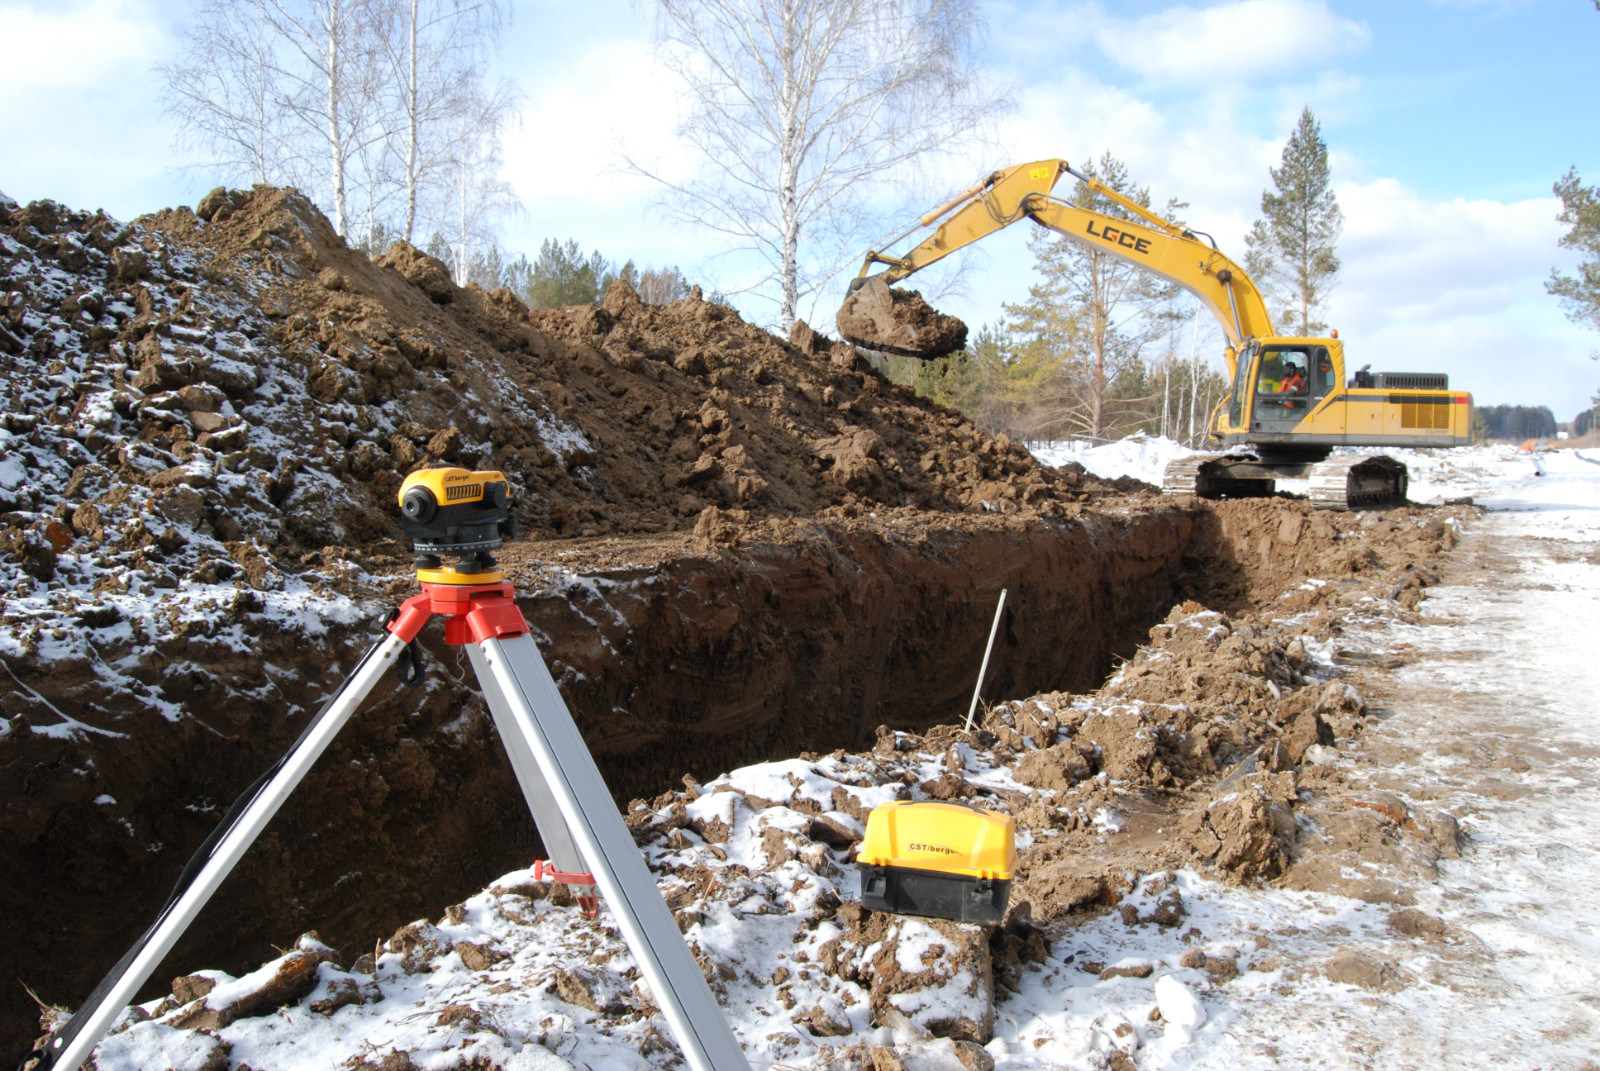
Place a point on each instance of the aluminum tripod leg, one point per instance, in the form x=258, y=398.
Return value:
x=73, y=1044
x=515, y=678
x=559, y=843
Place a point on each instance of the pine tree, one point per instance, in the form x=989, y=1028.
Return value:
x=1580, y=292
x=1087, y=320
x=1290, y=249
x=562, y=275
x=1580, y=211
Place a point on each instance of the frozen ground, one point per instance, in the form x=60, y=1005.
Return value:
x=1495, y=720
x=1489, y=700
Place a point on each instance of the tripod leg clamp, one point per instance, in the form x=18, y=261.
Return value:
x=587, y=901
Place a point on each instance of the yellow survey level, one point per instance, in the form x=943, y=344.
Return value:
x=452, y=510
x=942, y=860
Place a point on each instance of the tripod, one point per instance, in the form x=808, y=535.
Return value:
x=588, y=843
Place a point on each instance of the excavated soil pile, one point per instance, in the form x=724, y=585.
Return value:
x=247, y=354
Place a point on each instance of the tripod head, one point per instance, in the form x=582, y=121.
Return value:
x=461, y=513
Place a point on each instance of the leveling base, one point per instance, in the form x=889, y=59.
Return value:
x=579, y=823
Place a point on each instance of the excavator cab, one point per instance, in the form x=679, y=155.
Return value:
x=1288, y=382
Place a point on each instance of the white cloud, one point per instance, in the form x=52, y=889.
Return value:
x=583, y=115
x=85, y=45
x=1248, y=41
x=83, y=122
x=1239, y=43
x=566, y=160
x=1456, y=285
x=1409, y=258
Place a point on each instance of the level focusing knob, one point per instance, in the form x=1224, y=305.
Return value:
x=419, y=505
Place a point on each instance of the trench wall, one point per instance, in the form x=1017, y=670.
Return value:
x=685, y=663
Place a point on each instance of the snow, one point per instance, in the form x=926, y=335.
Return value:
x=1140, y=456
x=1179, y=1006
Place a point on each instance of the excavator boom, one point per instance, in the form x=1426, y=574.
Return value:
x=877, y=317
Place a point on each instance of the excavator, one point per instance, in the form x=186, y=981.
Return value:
x=1290, y=403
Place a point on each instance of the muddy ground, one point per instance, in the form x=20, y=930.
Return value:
x=741, y=548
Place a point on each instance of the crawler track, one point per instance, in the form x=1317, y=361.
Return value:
x=1356, y=482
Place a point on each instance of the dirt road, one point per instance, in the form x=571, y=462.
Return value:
x=1492, y=713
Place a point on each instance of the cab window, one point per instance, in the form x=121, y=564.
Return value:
x=1321, y=370
x=1283, y=385
x=1270, y=378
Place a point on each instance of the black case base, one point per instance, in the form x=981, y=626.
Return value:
x=931, y=894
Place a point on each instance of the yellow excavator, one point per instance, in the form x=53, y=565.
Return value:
x=1290, y=402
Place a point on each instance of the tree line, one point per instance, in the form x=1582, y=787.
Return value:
x=1515, y=422
x=562, y=274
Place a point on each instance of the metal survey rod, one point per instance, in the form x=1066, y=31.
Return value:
x=994, y=628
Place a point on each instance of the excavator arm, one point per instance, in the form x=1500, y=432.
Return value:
x=872, y=317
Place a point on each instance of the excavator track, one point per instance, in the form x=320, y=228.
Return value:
x=1350, y=481
x=1356, y=481
x=1193, y=475
x=1216, y=476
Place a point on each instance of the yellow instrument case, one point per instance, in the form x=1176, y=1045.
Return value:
x=941, y=860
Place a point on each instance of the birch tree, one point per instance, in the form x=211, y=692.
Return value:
x=226, y=94
x=300, y=77
x=475, y=194
x=374, y=107
x=433, y=52
x=800, y=109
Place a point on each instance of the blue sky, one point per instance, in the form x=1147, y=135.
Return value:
x=1447, y=120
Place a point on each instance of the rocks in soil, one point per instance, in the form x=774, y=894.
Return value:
x=1357, y=968
x=1414, y=923
x=1248, y=832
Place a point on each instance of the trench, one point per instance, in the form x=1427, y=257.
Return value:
x=675, y=659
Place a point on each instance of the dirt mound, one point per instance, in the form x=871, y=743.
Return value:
x=898, y=321
x=242, y=376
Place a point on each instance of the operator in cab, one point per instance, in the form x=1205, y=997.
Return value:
x=1294, y=384
x=1294, y=380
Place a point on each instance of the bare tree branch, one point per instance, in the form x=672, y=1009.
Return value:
x=802, y=109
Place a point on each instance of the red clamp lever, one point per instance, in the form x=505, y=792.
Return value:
x=588, y=902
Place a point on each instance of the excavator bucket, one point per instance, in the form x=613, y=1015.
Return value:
x=897, y=321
